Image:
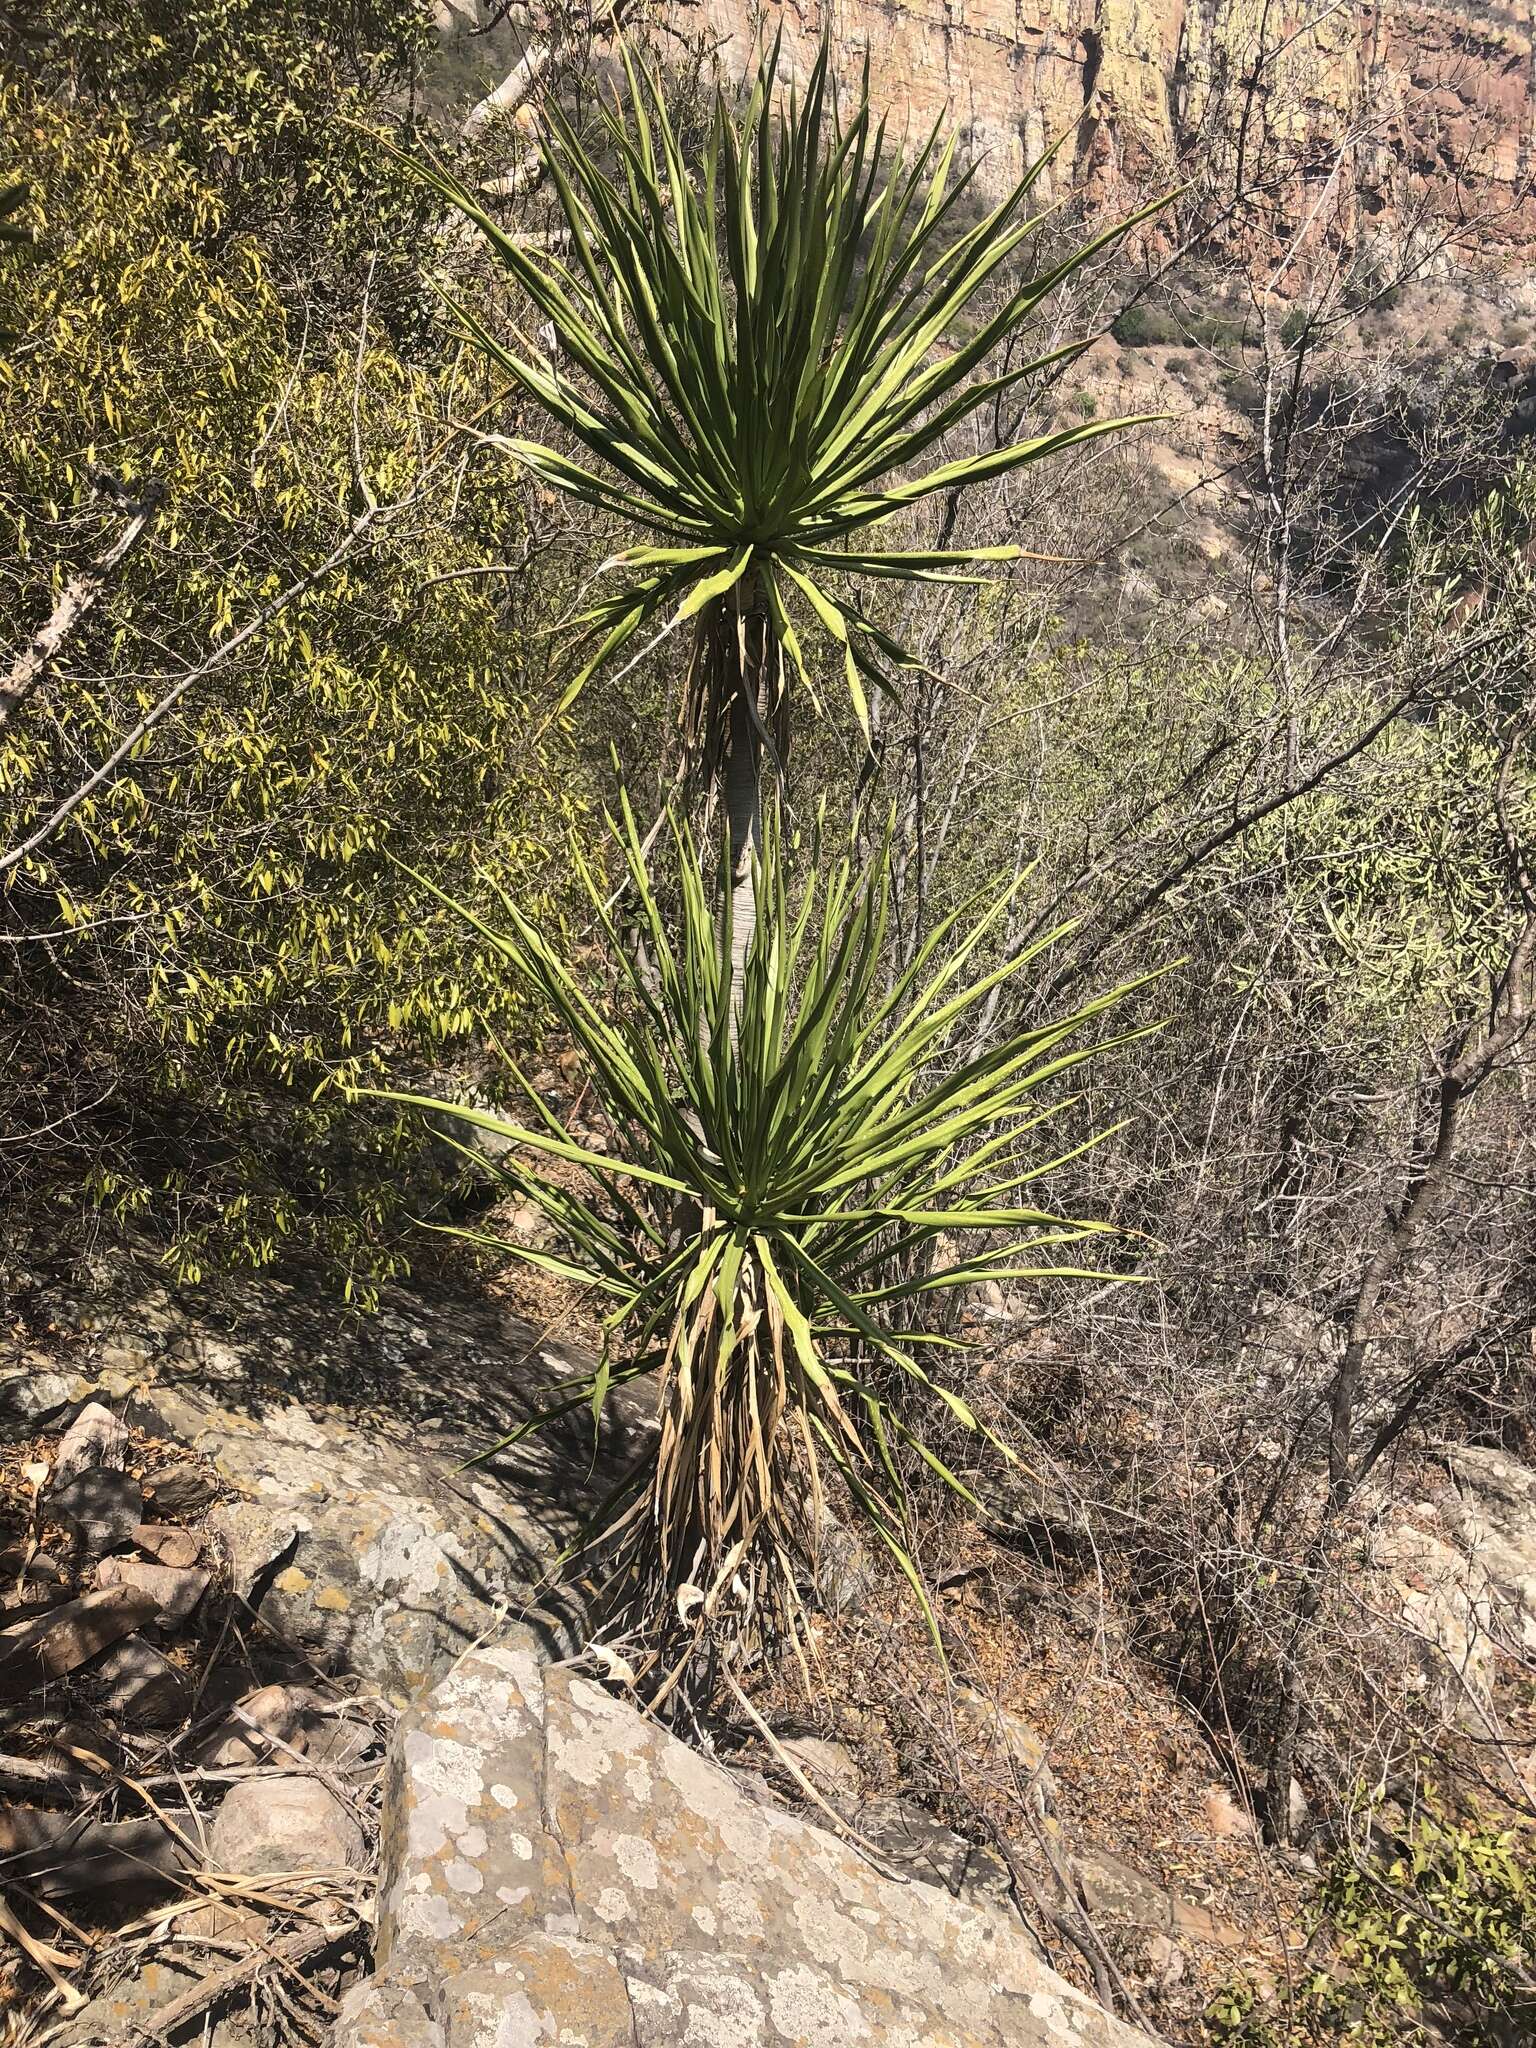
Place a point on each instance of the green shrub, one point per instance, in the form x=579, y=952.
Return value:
x=1430, y=1941
x=1244, y=390
x=1215, y=330
x=1147, y=326
x=1294, y=325
x=214, y=946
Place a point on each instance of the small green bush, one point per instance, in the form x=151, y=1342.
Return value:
x=1215, y=330
x=1429, y=1941
x=1243, y=389
x=1294, y=326
x=1147, y=326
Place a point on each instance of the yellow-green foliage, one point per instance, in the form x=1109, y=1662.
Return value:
x=1396, y=876
x=1378, y=900
x=217, y=938
x=277, y=105
x=1430, y=1941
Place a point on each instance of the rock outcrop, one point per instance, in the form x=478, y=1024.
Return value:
x=1408, y=125
x=559, y=1869
x=350, y=1522
x=1438, y=98
x=1497, y=1528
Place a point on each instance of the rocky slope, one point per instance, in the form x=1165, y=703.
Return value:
x=1439, y=99
x=553, y=1865
x=547, y=1859
x=558, y=1868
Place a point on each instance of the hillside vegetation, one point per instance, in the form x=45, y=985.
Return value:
x=918, y=825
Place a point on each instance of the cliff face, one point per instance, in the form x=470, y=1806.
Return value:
x=1405, y=118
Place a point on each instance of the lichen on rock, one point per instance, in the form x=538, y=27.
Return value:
x=558, y=1868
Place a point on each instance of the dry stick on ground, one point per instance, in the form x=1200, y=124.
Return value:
x=288, y=1953
x=39, y=1779
x=1229, y=1749
x=35, y=1776
x=1071, y=1920
x=881, y=1862
x=45, y=1956
x=1069, y=1914
x=300, y=1765
x=76, y=599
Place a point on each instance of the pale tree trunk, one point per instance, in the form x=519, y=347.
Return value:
x=747, y=654
x=523, y=81
x=78, y=597
x=507, y=97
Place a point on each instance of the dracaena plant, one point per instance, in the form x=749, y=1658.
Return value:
x=797, y=1170
x=754, y=362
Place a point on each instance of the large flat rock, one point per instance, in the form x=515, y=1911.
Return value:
x=558, y=1869
x=349, y=1518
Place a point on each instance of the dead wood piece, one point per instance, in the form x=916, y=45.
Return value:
x=48, y=1778
x=53, y=1644
x=79, y=595
x=181, y=1487
x=41, y=1778
x=59, y=1855
x=290, y=1952
x=41, y=1600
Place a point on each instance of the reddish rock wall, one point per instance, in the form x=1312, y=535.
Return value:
x=1436, y=101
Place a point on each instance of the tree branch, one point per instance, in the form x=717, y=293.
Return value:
x=76, y=599
x=209, y=665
